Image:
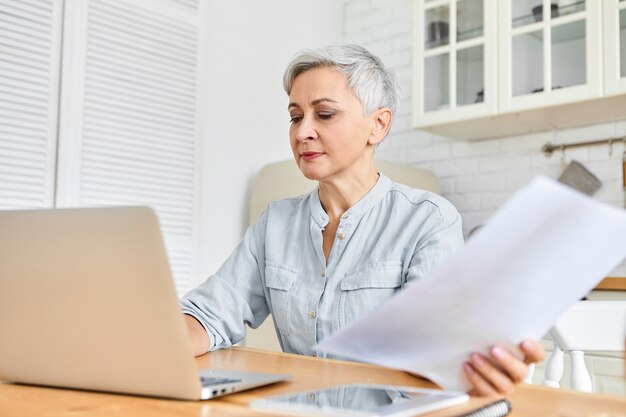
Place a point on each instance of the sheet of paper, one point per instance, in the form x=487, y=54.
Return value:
x=544, y=250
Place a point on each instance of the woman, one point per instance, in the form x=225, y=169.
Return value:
x=320, y=261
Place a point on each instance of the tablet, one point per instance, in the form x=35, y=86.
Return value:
x=361, y=400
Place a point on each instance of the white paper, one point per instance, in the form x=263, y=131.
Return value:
x=543, y=251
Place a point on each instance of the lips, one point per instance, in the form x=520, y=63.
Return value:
x=309, y=156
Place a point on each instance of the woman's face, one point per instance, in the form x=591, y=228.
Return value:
x=329, y=133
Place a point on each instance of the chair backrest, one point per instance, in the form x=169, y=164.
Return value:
x=283, y=179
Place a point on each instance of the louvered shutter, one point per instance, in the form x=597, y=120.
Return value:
x=29, y=79
x=128, y=125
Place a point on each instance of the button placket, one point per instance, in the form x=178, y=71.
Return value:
x=344, y=227
x=340, y=231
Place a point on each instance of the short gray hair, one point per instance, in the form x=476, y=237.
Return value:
x=373, y=85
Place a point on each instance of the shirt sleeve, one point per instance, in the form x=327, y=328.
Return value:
x=234, y=296
x=442, y=235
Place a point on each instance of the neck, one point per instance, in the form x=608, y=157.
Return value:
x=340, y=193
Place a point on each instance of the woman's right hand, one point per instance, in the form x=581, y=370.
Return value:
x=200, y=341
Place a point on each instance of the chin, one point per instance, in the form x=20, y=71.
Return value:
x=311, y=173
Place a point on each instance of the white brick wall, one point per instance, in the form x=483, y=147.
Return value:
x=476, y=176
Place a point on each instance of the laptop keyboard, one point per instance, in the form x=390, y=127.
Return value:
x=208, y=381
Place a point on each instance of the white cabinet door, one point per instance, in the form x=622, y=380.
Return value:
x=553, y=64
x=615, y=43
x=550, y=52
x=30, y=36
x=129, y=130
x=454, y=60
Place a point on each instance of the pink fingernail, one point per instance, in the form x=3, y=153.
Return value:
x=497, y=352
x=477, y=359
x=468, y=368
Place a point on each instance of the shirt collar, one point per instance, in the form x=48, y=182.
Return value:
x=362, y=206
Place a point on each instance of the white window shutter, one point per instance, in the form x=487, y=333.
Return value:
x=30, y=35
x=128, y=127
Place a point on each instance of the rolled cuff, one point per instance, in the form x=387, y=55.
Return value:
x=214, y=338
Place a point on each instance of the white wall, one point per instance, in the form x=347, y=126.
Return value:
x=246, y=125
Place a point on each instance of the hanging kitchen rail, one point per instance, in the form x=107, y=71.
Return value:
x=549, y=148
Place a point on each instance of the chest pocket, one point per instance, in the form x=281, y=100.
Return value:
x=364, y=291
x=280, y=285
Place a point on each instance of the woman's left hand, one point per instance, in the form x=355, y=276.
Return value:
x=499, y=374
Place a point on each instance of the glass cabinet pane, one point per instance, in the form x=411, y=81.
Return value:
x=436, y=82
x=437, y=27
x=566, y=7
x=568, y=55
x=525, y=12
x=469, y=19
x=470, y=80
x=527, y=55
x=622, y=42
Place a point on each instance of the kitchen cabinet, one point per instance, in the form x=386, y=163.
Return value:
x=549, y=54
x=455, y=60
x=488, y=68
x=615, y=47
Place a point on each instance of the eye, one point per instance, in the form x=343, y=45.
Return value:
x=325, y=116
x=295, y=119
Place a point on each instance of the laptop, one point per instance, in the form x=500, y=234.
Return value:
x=87, y=301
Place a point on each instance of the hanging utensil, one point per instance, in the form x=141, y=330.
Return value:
x=580, y=178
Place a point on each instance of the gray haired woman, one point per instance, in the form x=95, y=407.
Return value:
x=320, y=261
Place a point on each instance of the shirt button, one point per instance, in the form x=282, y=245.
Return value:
x=312, y=314
x=322, y=273
x=344, y=215
x=340, y=236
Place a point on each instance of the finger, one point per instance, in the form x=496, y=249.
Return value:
x=497, y=378
x=481, y=387
x=533, y=351
x=516, y=369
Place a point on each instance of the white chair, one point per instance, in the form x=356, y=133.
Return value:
x=283, y=179
x=589, y=326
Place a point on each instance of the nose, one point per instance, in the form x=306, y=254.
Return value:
x=305, y=130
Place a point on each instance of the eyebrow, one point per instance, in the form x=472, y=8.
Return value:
x=314, y=102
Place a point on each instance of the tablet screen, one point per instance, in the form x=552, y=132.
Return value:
x=362, y=400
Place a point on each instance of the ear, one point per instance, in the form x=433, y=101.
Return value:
x=381, y=120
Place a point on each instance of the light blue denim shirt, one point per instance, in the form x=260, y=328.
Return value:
x=392, y=236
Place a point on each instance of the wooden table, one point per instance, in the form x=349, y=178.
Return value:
x=308, y=373
x=612, y=284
